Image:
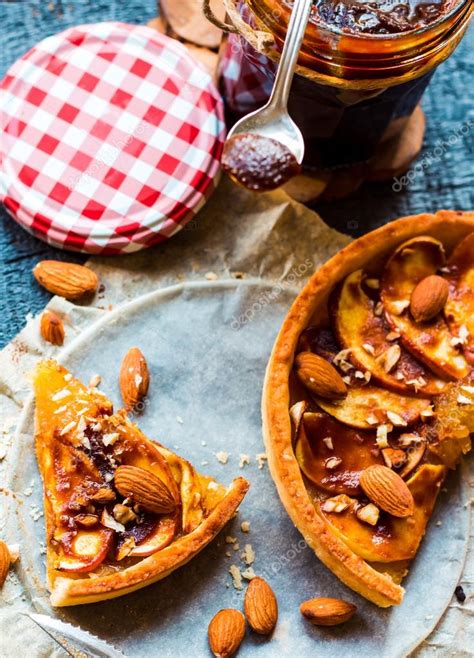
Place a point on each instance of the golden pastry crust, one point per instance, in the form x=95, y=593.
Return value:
x=66, y=592
x=369, y=253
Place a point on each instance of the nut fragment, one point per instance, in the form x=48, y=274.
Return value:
x=226, y=632
x=390, y=357
x=368, y=514
x=126, y=548
x=87, y=520
x=103, y=496
x=52, y=328
x=394, y=457
x=260, y=606
x=145, y=488
x=319, y=376
x=327, y=612
x=123, y=514
x=415, y=455
x=429, y=298
x=67, y=280
x=332, y=463
x=337, y=504
x=5, y=561
x=387, y=490
x=134, y=378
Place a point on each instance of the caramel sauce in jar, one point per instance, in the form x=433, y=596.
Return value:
x=378, y=16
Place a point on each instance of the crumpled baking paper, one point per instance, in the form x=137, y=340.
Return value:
x=238, y=235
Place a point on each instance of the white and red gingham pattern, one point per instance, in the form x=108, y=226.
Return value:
x=110, y=138
x=246, y=76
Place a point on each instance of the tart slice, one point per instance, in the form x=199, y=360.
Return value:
x=369, y=396
x=121, y=511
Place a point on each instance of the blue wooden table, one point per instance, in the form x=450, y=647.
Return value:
x=445, y=180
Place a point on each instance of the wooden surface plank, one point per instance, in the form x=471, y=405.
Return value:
x=446, y=181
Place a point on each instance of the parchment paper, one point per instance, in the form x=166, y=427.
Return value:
x=189, y=328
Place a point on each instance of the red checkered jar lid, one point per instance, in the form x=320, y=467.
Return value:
x=110, y=138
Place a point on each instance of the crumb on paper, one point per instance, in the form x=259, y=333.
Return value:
x=211, y=276
x=228, y=554
x=204, y=462
x=179, y=420
x=439, y=524
x=249, y=573
x=236, y=546
x=245, y=526
x=203, y=443
x=14, y=550
x=261, y=458
x=238, y=275
x=248, y=556
x=95, y=381
x=35, y=512
x=3, y=452
x=236, y=576
x=222, y=457
x=230, y=540
x=244, y=459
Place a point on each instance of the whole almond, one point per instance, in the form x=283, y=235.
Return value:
x=67, y=280
x=319, y=376
x=387, y=490
x=226, y=632
x=145, y=488
x=260, y=606
x=5, y=561
x=134, y=378
x=429, y=298
x=52, y=328
x=327, y=612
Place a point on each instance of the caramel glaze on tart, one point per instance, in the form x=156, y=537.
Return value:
x=400, y=376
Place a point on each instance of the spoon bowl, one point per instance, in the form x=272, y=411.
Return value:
x=273, y=121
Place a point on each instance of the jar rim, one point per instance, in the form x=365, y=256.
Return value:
x=396, y=35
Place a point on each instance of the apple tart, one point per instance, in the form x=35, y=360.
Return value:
x=369, y=396
x=121, y=511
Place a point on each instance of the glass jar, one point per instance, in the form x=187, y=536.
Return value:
x=350, y=91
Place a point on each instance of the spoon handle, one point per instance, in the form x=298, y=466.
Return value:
x=291, y=49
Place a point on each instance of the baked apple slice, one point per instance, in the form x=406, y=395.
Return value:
x=361, y=327
x=390, y=539
x=367, y=407
x=332, y=455
x=429, y=341
x=121, y=511
x=339, y=384
x=459, y=309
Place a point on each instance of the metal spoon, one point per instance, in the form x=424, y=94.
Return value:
x=272, y=120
